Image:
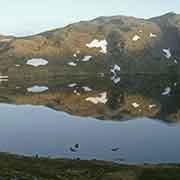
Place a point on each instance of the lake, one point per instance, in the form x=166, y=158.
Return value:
x=133, y=121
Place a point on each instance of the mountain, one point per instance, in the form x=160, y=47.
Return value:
x=136, y=60
x=149, y=46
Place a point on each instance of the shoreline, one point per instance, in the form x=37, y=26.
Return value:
x=26, y=167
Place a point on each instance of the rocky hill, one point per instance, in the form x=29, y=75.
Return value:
x=92, y=47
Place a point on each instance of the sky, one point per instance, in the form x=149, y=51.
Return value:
x=23, y=17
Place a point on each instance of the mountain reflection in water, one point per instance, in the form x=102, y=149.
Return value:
x=134, y=96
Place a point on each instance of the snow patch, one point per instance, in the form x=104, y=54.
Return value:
x=166, y=91
x=152, y=35
x=115, y=68
x=86, y=58
x=37, y=62
x=76, y=92
x=152, y=106
x=175, y=61
x=75, y=55
x=4, y=80
x=37, y=89
x=99, y=44
x=72, y=64
x=167, y=53
x=17, y=65
x=87, y=89
x=4, y=77
x=116, y=79
x=135, y=105
x=136, y=38
x=72, y=85
x=102, y=98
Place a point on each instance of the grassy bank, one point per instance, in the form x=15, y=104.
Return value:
x=20, y=167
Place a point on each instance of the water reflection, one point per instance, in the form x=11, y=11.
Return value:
x=37, y=130
x=50, y=130
x=132, y=97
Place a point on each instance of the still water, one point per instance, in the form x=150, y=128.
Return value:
x=57, y=121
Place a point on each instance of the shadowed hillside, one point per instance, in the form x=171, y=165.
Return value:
x=136, y=45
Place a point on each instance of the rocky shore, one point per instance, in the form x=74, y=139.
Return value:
x=14, y=167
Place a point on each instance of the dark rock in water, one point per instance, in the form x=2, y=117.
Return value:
x=76, y=146
x=73, y=150
x=119, y=160
x=14, y=178
x=115, y=149
x=36, y=156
